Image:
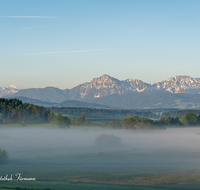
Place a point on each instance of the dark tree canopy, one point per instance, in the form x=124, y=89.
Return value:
x=14, y=111
x=63, y=121
x=135, y=122
x=191, y=119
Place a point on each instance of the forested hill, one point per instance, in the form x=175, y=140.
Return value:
x=14, y=111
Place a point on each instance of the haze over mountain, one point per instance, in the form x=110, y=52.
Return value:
x=177, y=92
x=66, y=103
x=48, y=94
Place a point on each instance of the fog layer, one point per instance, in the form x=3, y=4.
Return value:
x=63, y=152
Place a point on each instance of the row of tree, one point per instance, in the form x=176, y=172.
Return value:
x=61, y=120
x=64, y=121
x=14, y=111
x=190, y=119
x=180, y=113
x=135, y=122
x=113, y=113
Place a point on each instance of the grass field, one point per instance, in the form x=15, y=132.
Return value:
x=91, y=118
x=61, y=185
x=67, y=159
x=140, y=181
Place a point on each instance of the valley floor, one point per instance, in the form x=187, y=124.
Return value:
x=62, y=159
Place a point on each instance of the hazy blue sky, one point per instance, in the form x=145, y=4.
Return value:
x=63, y=43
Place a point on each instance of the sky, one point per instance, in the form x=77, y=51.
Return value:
x=64, y=43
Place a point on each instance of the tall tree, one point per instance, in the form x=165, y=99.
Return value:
x=184, y=121
x=63, y=121
x=191, y=118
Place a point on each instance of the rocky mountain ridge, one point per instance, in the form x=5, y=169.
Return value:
x=106, y=85
x=180, y=84
x=111, y=91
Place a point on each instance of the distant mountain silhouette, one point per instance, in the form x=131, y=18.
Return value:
x=66, y=103
x=176, y=92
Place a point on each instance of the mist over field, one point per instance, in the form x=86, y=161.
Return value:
x=55, y=153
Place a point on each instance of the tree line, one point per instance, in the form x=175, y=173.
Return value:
x=180, y=113
x=14, y=111
x=113, y=113
x=135, y=122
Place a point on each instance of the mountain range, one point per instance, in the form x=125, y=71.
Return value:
x=175, y=92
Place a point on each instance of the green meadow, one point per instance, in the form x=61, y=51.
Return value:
x=68, y=159
x=91, y=118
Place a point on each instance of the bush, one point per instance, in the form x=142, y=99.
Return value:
x=3, y=156
x=107, y=140
x=63, y=121
x=23, y=124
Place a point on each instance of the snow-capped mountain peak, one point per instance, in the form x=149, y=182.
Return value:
x=13, y=87
x=180, y=84
x=5, y=91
